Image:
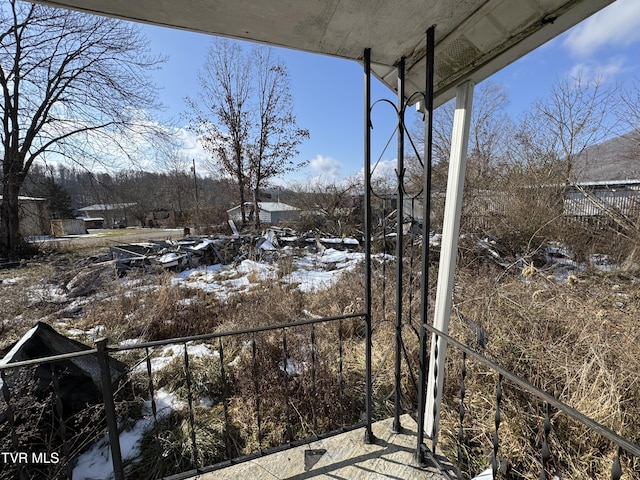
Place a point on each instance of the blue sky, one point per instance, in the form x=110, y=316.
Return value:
x=328, y=92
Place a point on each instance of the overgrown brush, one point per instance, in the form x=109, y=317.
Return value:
x=52, y=437
x=576, y=340
x=168, y=449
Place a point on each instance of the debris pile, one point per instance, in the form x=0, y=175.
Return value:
x=194, y=251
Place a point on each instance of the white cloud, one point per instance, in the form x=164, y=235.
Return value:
x=383, y=173
x=325, y=168
x=590, y=71
x=159, y=157
x=190, y=146
x=385, y=170
x=618, y=25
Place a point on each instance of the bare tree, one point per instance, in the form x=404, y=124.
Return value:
x=277, y=135
x=578, y=113
x=221, y=114
x=489, y=135
x=182, y=189
x=631, y=120
x=244, y=117
x=73, y=87
x=547, y=155
x=336, y=206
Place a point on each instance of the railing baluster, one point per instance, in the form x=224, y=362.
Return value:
x=154, y=410
x=616, y=468
x=411, y=271
x=461, y=409
x=340, y=375
x=314, y=397
x=60, y=413
x=435, y=390
x=256, y=387
x=384, y=259
x=412, y=375
x=544, y=451
x=11, y=420
x=192, y=421
x=285, y=357
x=397, y=427
x=110, y=408
x=495, y=463
x=151, y=387
x=223, y=380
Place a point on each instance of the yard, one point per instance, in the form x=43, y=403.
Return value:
x=569, y=328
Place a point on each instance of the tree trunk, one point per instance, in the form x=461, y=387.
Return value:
x=10, y=238
x=256, y=209
x=242, y=207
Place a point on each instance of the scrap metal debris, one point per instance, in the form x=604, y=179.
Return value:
x=194, y=251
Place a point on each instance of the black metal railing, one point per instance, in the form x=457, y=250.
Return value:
x=498, y=465
x=287, y=384
x=287, y=364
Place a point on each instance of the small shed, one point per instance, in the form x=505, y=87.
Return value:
x=68, y=226
x=92, y=222
x=113, y=214
x=269, y=212
x=34, y=217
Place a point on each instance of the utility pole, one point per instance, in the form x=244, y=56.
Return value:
x=195, y=185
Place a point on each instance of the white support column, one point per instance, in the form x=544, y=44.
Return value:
x=448, y=252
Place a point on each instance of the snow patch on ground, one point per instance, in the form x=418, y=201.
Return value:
x=12, y=281
x=312, y=272
x=96, y=463
x=168, y=353
x=486, y=475
x=46, y=293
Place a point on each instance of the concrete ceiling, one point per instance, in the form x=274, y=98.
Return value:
x=474, y=38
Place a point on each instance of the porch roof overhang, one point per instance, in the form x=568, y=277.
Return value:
x=474, y=38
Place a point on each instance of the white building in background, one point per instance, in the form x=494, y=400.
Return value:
x=113, y=215
x=269, y=212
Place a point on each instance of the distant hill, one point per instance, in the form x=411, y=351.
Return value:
x=615, y=159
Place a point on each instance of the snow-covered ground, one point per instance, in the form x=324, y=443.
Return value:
x=310, y=272
x=486, y=475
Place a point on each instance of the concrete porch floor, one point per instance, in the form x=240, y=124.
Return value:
x=346, y=457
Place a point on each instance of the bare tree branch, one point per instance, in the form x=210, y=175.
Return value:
x=244, y=117
x=73, y=86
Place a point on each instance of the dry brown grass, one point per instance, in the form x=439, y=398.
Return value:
x=577, y=339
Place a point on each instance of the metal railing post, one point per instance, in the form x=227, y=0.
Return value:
x=368, y=437
x=397, y=427
x=426, y=231
x=110, y=409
